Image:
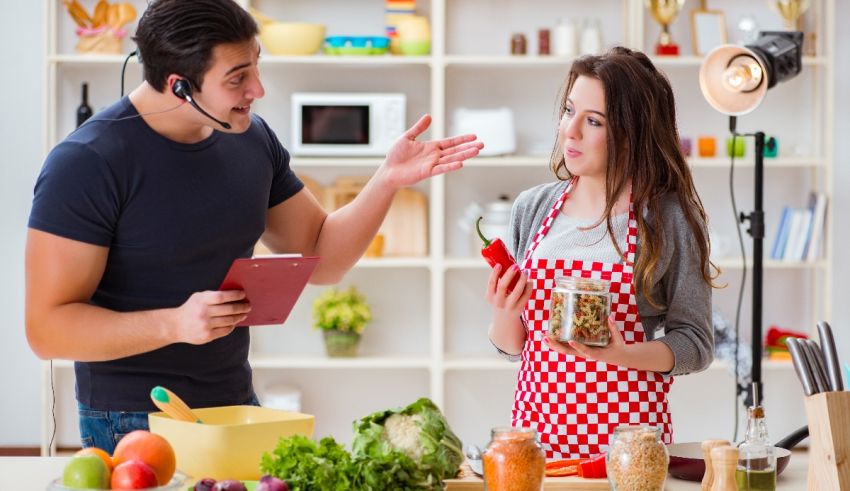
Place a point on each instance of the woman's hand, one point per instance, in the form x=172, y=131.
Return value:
x=507, y=304
x=614, y=353
x=410, y=161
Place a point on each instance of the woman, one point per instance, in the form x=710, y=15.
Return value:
x=624, y=209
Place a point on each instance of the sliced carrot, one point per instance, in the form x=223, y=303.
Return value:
x=555, y=464
x=569, y=470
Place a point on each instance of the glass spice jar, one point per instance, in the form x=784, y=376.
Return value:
x=637, y=459
x=513, y=461
x=579, y=311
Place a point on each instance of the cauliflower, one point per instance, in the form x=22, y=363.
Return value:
x=402, y=432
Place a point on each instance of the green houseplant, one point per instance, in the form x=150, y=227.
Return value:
x=342, y=316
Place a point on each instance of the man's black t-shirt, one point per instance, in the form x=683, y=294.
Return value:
x=174, y=216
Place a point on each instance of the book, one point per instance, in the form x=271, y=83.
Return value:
x=272, y=284
x=781, y=234
x=817, y=202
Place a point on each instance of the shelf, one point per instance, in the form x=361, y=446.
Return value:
x=507, y=60
x=766, y=365
x=325, y=363
x=561, y=61
x=394, y=262
x=265, y=59
x=478, y=362
x=748, y=161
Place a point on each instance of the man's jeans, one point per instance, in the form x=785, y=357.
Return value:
x=103, y=429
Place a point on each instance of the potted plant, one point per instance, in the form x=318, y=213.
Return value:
x=342, y=316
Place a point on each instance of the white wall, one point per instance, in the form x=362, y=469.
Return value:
x=21, y=153
x=21, y=52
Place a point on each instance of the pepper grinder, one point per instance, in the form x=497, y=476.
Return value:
x=724, y=461
x=708, y=477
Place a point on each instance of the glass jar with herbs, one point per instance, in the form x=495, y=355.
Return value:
x=579, y=311
x=637, y=459
x=514, y=460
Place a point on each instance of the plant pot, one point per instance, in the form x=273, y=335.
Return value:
x=341, y=343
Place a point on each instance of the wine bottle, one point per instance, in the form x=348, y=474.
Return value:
x=84, y=111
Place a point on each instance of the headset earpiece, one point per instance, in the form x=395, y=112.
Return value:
x=182, y=88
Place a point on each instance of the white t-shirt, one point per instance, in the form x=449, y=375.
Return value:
x=569, y=239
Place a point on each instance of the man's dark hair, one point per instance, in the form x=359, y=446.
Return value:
x=178, y=36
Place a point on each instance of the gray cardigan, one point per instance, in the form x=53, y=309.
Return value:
x=678, y=282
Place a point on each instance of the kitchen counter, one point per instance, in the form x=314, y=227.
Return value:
x=35, y=473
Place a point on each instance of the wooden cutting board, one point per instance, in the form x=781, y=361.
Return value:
x=549, y=484
x=405, y=228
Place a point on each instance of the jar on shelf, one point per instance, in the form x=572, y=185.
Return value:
x=514, y=460
x=579, y=311
x=637, y=459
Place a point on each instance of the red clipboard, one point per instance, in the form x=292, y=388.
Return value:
x=271, y=283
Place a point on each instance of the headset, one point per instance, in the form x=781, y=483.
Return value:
x=183, y=89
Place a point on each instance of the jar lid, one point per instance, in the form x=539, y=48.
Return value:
x=583, y=284
x=519, y=433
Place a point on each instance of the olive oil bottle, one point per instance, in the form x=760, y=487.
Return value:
x=756, y=469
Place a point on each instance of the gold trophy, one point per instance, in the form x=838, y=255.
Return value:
x=791, y=10
x=664, y=12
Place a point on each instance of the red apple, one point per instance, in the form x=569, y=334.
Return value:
x=133, y=474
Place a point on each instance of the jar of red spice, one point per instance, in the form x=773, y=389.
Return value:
x=513, y=461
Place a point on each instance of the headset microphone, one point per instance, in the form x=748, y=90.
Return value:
x=183, y=90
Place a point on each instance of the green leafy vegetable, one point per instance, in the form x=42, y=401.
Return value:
x=419, y=431
x=305, y=466
x=407, y=449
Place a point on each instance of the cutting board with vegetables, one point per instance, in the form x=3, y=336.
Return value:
x=475, y=483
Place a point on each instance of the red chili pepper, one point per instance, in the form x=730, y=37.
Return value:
x=593, y=467
x=495, y=252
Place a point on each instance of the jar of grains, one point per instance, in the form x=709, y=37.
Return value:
x=513, y=461
x=579, y=311
x=637, y=459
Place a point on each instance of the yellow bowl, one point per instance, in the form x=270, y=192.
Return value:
x=231, y=440
x=292, y=38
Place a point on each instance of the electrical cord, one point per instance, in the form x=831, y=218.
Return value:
x=52, y=412
x=743, y=280
x=124, y=68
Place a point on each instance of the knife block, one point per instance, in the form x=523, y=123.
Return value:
x=829, y=441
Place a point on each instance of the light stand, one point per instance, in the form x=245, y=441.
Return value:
x=756, y=231
x=734, y=80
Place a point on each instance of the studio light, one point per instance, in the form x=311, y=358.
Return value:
x=734, y=81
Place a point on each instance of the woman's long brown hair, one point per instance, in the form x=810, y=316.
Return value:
x=643, y=145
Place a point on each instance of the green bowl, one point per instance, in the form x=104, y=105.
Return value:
x=415, y=48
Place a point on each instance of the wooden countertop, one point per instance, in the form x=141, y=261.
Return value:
x=35, y=473
x=793, y=478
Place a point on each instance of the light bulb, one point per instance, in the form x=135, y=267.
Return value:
x=744, y=74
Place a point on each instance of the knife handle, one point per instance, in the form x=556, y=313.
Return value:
x=800, y=365
x=816, y=364
x=833, y=366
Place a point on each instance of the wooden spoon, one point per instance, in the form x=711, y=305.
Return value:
x=173, y=405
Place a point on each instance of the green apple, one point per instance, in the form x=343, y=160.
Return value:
x=86, y=472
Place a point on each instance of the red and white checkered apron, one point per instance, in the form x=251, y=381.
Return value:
x=575, y=403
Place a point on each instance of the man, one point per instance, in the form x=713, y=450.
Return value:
x=138, y=214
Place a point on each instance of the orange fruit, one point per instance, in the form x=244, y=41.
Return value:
x=151, y=449
x=97, y=452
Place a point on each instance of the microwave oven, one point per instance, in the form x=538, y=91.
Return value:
x=346, y=124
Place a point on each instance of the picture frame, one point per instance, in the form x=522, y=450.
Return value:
x=708, y=30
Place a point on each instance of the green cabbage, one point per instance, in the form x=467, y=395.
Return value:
x=420, y=433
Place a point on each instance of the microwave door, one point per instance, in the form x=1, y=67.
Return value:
x=335, y=129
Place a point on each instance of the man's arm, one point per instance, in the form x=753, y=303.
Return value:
x=300, y=225
x=61, y=277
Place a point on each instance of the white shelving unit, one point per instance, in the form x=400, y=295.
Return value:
x=429, y=334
